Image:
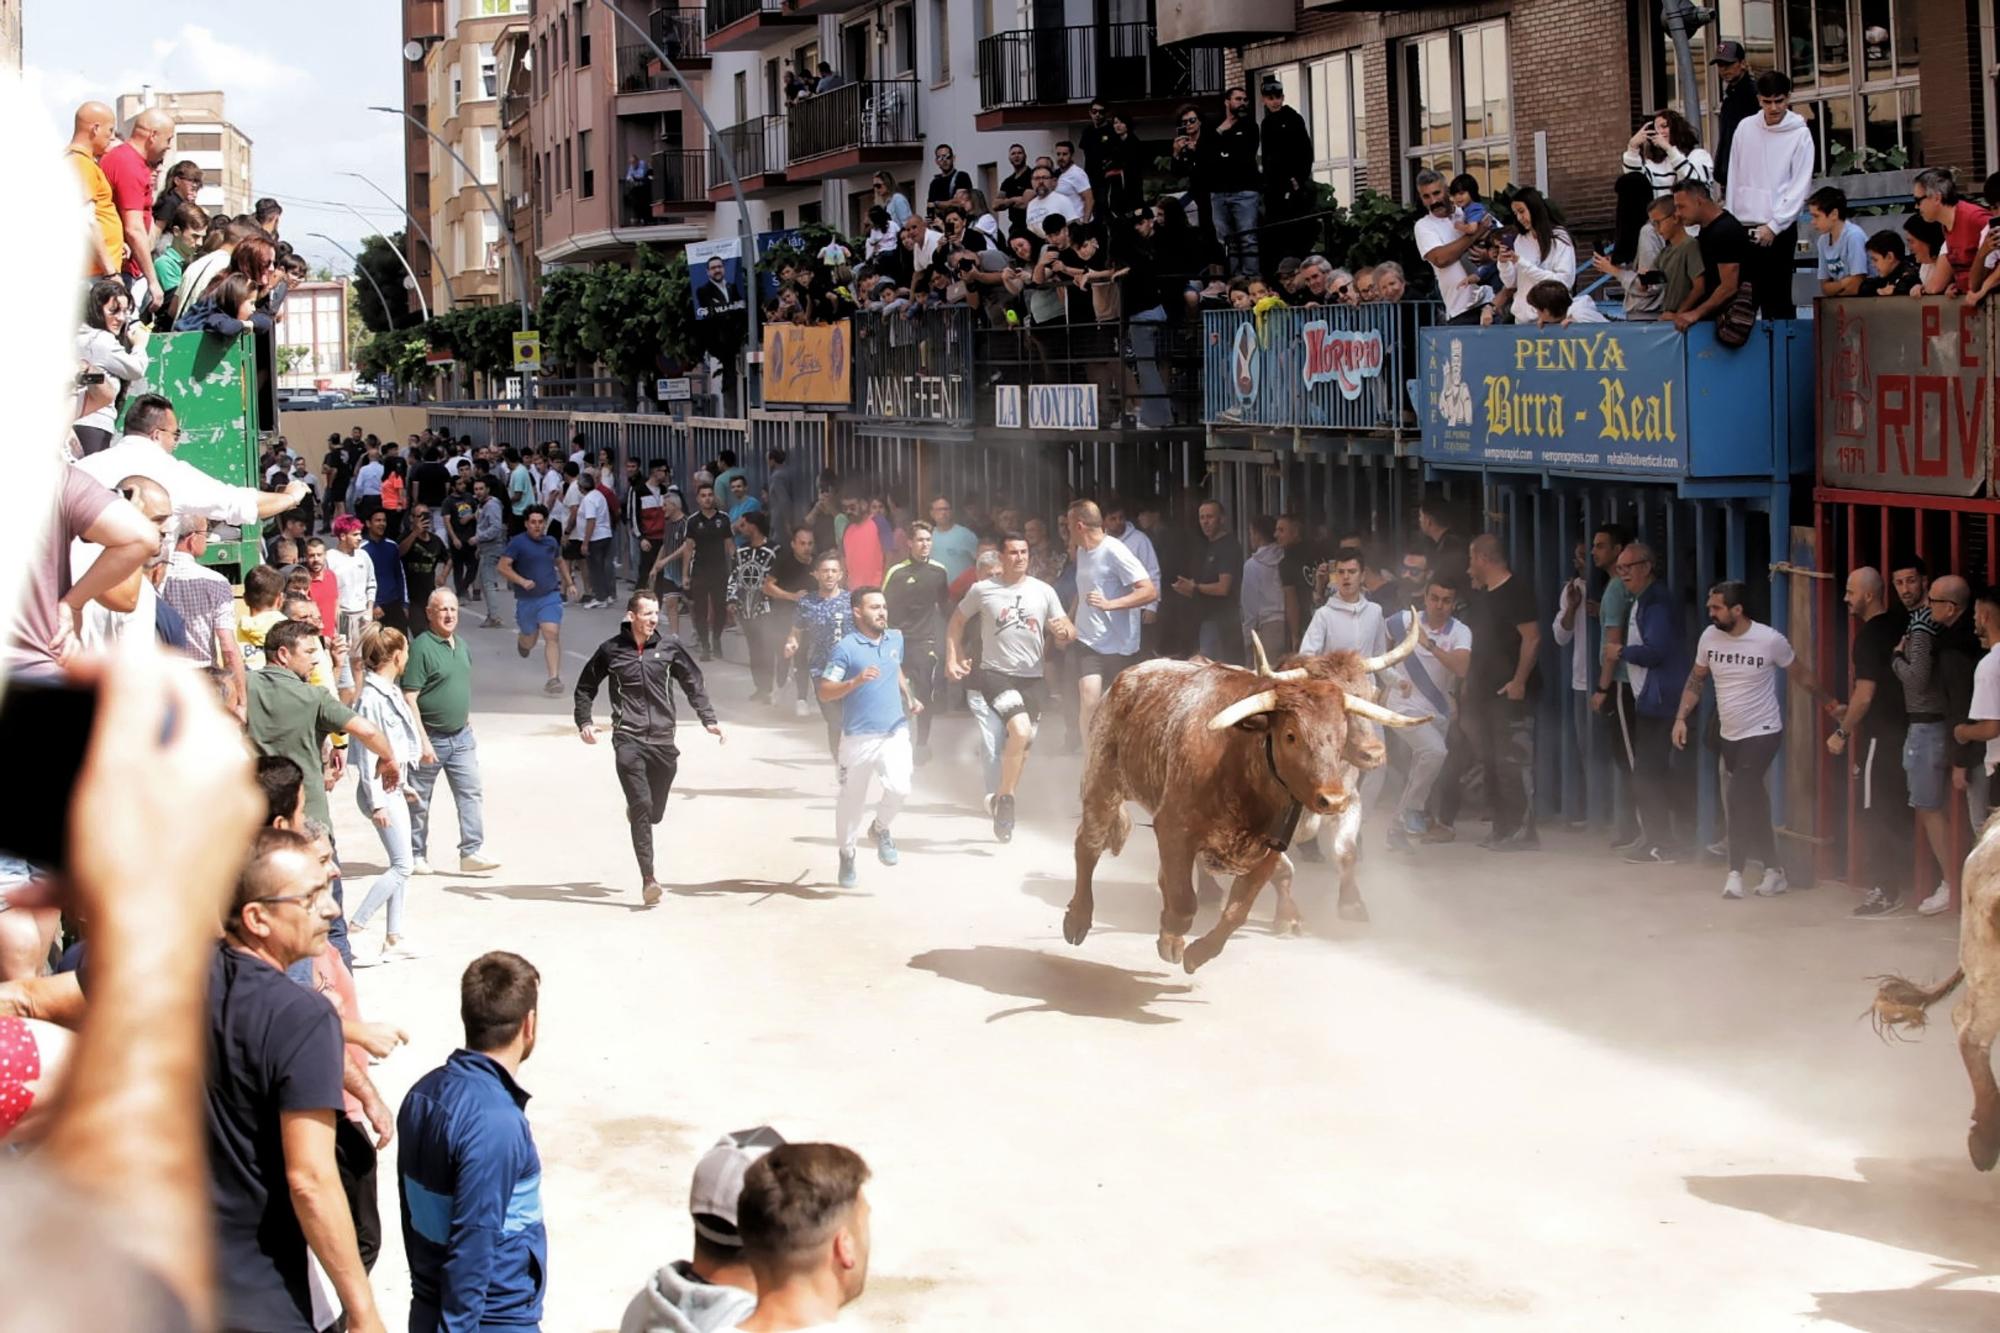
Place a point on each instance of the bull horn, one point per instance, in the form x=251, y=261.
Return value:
x=1396, y=654
x=1264, y=663
x=1261, y=702
x=1375, y=712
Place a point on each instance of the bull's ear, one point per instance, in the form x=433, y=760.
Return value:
x=1256, y=722
x=1364, y=752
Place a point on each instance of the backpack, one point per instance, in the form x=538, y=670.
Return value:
x=1733, y=325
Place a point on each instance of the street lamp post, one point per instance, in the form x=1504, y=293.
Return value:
x=415, y=286
x=379, y=294
x=752, y=348
x=449, y=295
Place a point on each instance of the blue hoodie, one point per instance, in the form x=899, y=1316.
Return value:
x=1655, y=646
x=471, y=1187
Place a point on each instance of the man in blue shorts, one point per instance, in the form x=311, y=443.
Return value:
x=533, y=564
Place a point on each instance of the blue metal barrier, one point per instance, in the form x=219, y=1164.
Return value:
x=1342, y=368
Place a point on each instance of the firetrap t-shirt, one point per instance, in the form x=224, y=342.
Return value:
x=1745, y=667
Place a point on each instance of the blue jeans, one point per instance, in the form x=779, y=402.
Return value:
x=1927, y=764
x=1235, y=214
x=389, y=885
x=992, y=737
x=458, y=760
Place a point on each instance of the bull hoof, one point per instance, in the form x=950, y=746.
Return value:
x=1354, y=911
x=1076, y=926
x=1201, y=951
x=1984, y=1145
x=1172, y=948
x=1289, y=927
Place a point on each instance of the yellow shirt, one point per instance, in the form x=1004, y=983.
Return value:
x=250, y=632
x=97, y=192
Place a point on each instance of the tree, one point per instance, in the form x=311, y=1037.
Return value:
x=378, y=258
x=292, y=356
x=399, y=354
x=626, y=318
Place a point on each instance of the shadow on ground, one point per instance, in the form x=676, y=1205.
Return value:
x=1916, y=1310
x=592, y=894
x=1134, y=909
x=761, y=889
x=1057, y=985
x=1934, y=1206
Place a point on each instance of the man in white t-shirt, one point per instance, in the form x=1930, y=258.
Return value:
x=1073, y=181
x=1745, y=658
x=1141, y=547
x=1112, y=589
x=595, y=534
x=1985, y=712
x=1443, y=246
x=1426, y=684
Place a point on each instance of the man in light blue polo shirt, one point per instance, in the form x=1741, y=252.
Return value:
x=864, y=675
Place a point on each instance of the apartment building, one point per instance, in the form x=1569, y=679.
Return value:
x=315, y=321
x=463, y=96
x=423, y=27
x=10, y=35
x=204, y=135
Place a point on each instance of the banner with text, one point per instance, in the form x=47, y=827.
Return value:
x=1905, y=395
x=715, y=276
x=1592, y=398
x=808, y=364
x=1047, y=406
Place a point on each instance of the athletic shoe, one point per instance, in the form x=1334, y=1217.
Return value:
x=989, y=805
x=490, y=623
x=1629, y=842
x=706, y=654
x=1416, y=823
x=553, y=687
x=404, y=947
x=1878, y=904
x=1437, y=833
x=1003, y=818
x=524, y=649
x=1522, y=841
x=1772, y=884
x=649, y=892
x=760, y=696
x=1720, y=847
x=799, y=708
x=1733, y=886
x=1650, y=856
x=848, y=879
x=1399, y=839
x=1939, y=900
x=476, y=865
x=367, y=953
x=421, y=867
x=885, y=846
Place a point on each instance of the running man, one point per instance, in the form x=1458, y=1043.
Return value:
x=825, y=615
x=918, y=593
x=533, y=564
x=1014, y=611
x=865, y=677
x=642, y=667
x=1113, y=588
x=709, y=537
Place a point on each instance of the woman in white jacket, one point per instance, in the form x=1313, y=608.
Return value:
x=1542, y=252
x=385, y=652
x=114, y=347
x=1666, y=150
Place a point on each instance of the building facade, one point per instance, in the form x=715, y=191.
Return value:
x=203, y=135
x=315, y=320
x=462, y=102
x=10, y=35
x=423, y=25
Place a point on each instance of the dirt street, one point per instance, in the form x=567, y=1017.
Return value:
x=1547, y=1091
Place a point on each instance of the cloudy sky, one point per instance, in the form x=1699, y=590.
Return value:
x=297, y=81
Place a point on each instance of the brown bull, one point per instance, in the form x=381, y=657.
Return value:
x=1226, y=761
x=1900, y=1003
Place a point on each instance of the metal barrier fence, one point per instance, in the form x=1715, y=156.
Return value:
x=1314, y=367
x=758, y=146
x=915, y=366
x=1066, y=66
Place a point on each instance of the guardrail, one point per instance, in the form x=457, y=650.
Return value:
x=721, y=13
x=1058, y=67
x=1313, y=367
x=758, y=145
x=873, y=113
x=680, y=176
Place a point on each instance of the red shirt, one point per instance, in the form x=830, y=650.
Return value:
x=325, y=592
x=1961, y=242
x=132, y=191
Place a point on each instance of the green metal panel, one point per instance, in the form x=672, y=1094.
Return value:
x=212, y=382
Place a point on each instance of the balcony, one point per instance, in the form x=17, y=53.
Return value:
x=751, y=25
x=680, y=182
x=513, y=108
x=758, y=146
x=1229, y=22
x=818, y=7
x=853, y=129
x=679, y=33
x=1049, y=75
x=1338, y=368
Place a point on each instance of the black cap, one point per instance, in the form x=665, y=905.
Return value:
x=1729, y=53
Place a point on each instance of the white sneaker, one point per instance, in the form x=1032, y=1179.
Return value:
x=1772, y=884
x=799, y=708
x=422, y=867
x=404, y=947
x=1939, y=900
x=1733, y=886
x=367, y=953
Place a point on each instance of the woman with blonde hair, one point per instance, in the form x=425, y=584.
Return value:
x=384, y=653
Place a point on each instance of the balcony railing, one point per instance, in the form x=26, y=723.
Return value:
x=1332, y=367
x=915, y=366
x=722, y=13
x=680, y=176
x=679, y=33
x=758, y=145
x=1070, y=66
x=874, y=113
x=512, y=107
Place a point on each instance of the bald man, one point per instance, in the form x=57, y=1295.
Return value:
x=1870, y=728
x=89, y=140
x=129, y=167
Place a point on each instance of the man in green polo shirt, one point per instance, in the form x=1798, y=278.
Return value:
x=438, y=683
x=290, y=717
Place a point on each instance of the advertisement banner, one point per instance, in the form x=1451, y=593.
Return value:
x=715, y=276
x=1055, y=407
x=808, y=364
x=1905, y=395
x=1592, y=398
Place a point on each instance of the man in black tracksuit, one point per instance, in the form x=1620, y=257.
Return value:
x=641, y=667
x=918, y=592
x=710, y=537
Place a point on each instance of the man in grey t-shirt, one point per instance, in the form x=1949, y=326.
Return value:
x=1112, y=590
x=1007, y=696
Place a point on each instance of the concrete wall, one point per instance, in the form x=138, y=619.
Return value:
x=307, y=431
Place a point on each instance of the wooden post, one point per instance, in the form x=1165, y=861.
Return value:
x=1804, y=734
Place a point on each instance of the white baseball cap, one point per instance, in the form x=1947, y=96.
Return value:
x=718, y=1181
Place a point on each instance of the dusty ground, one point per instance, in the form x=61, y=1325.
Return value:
x=1541, y=1092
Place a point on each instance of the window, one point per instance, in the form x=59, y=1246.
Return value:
x=488, y=71
x=777, y=219
x=583, y=153
x=189, y=141
x=546, y=183
x=808, y=214
x=1457, y=106
x=774, y=103
x=582, y=36
x=903, y=41
x=569, y=164
x=454, y=92
x=740, y=90
x=488, y=158
x=1329, y=94
x=542, y=67
x=940, y=41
